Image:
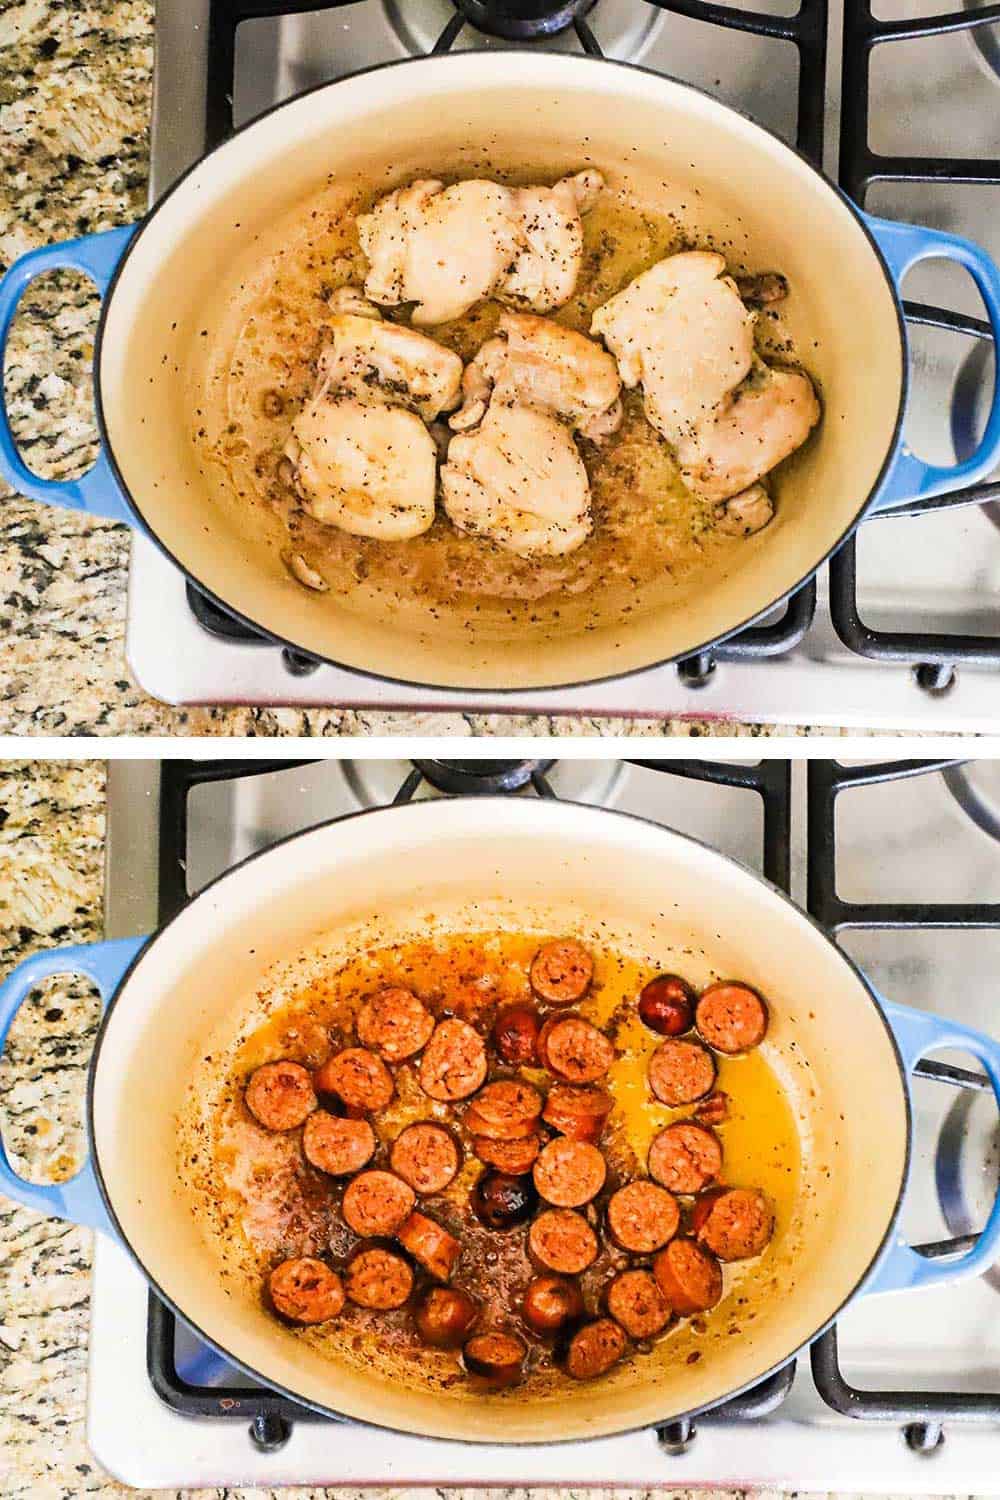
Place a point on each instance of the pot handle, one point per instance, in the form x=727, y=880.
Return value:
x=96, y=493
x=901, y=1267
x=78, y=1200
x=908, y=477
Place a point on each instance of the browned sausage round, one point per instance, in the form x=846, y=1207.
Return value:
x=513, y=1158
x=454, y=1062
x=569, y=1173
x=378, y=1278
x=358, y=1077
x=306, y=1290
x=340, y=1147
x=435, y=1249
x=502, y=1202
x=514, y=1129
x=562, y=1240
x=395, y=1024
x=681, y=1072
x=506, y=1110
x=731, y=1017
x=495, y=1359
x=515, y=1036
x=376, y=1203
x=575, y=1051
x=594, y=1349
x=689, y=1278
x=551, y=1303
x=561, y=972
x=280, y=1095
x=735, y=1223
x=642, y=1217
x=579, y=1112
x=426, y=1156
x=666, y=1005
x=685, y=1157
x=445, y=1317
x=635, y=1301
x=713, y=1109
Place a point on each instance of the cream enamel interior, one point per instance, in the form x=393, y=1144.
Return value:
x=551, y=113
x=559, y=866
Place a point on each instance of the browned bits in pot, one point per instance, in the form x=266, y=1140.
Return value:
x=685, y=1157
x=561, y=1240
x=377, y=1203
x=551, y=1303
x=454, y=1062
x=306, y=1290
x=280, y=1095
x=561, y=972
x=713, y=1109
x=271, y=404
x=494, y=1359
x=426, y=1156
x=731, y=1017
x=515, y=1036
x=512, y=1158
x=502, y=1202
x=762, y=287
x=688, y=1276
x=594, y=1349
x=569, y=1173
x=395, y=1024
x=574, y=1050
x=635, y=1301
x=666, y=1005
x=445, y=1316
x=642, y=1217
x=734, y=1223
x=339, y=1147
x=681, y=1072
x=378, y=1278
x=433, y=1247
x=505, y=1111
x=579, y=1112
x=358, y=1077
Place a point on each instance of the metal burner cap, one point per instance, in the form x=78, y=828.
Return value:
x=622, y=28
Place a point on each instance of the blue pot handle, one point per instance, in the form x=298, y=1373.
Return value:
x=900, y=1266
x=78, y=1200
x=96, y=493
x=909, y=478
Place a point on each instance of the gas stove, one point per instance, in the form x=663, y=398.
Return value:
x=901, y=860
x=901, y=630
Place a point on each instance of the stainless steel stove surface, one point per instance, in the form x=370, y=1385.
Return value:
x=916, y=578
x=920, y=840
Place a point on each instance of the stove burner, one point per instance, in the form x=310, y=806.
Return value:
x=480, y=777
x=621, y=28
x=522, y=20
x=974, y=787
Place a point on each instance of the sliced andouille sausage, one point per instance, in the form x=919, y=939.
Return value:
x=395, y=1024
x=734, y=1223
x=358, y=1077
x=280, y=1095
x=502, y=1201
x=445, y=1316
x=378, y=1278
x=515, y=1036
x=569, y=1173
x=579, y=1111
x=514, y=1129
x=561, y=1240
x=731, y=1017
x=551, y=1303
x=685, y=1157
x=512, y=1158
x=561, y=972
x=575, y=1051
x=642, y=1217
x=594, y=1349
x=681, y=1072
x=377, y=1203
x=688, y=1276
x=454, y=1062
x=433, y=1247
x=635, y=1301
x=306, y=1290
x=338, y=1146
x=713, y=1109
x=425, y=1155
x=495, y=1359
x=666, y=1005
x=504, y=1111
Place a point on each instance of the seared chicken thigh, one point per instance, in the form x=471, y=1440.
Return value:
x=385, y=363
x=535, y=362
x=550, y=237
x=745, y=513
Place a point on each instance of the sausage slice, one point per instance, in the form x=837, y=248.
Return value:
x=561, y=972
x=513, y=1158
x=579, y=1112
x=494, y=1358
x=280, y=1095
x=685, y=1157
x=562, y=1241
x=594, y=1349
x=395, y=1024
x=681, y=1072
x=306, y=1290
x=515, y=1036
x=689, y=1278
x=340, y=1147
x=551, y=1303
x=454, y=1062
x=642, y=1217
x=376, y=1203
x=426, y=1156
x=575, y=1050
x=445, y=1317
x=713, y=1109
x=731, y=1017
x=635, y=1301
x=507, y=1108
x=734, y=1223
x=378, y=1278
x=569, y=1173
x=358, y=1077
x=433, y=1247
